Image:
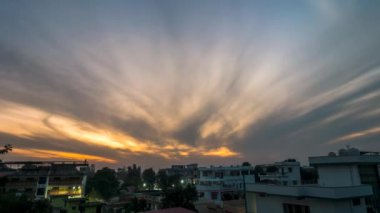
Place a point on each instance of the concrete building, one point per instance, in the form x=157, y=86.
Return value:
x=187, y=173
x=43, y=179
x=224, y=182
x=285, y=173
x=348, y=182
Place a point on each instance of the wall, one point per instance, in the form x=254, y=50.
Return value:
x=338, y=175
x=273, y=204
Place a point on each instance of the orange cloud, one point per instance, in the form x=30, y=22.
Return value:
x=25, y=121
x=220, y=152
x=53, y=154
x=355, y=135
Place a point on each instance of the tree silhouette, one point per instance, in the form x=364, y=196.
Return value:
x=7, y=148
x=149, y=177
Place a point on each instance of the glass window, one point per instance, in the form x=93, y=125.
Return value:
x=214, y=195
x=42, y=180
x=40, y=191
x=293, y=208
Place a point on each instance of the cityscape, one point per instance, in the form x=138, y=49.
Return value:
x=168, y=106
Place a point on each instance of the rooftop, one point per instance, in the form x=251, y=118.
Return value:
x=346, y=156
x=172, y=210
x=312, y=191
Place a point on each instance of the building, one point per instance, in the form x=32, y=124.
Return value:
x=171, y=210
x=223, y=182
x=64, y=204
x=187, y=173
x=44, y=179
x=285, y=173
x=348, y=182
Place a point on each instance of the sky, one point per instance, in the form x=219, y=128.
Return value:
x=174, y=82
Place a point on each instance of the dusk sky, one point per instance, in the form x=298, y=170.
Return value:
x=170, y=82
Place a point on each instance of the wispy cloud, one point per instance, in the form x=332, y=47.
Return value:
x=59, y=155
x=189, y=81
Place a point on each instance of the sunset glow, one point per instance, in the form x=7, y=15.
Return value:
x=174, y=83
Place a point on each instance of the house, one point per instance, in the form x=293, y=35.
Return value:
x=218, y=183
x=187, y=173
x=285, y=173
x=43, y=179
x=348, y=182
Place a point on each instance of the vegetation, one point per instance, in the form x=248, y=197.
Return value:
x=258, y=170
x=246, y=164
x=104, y=182
x=136, y=205
x=7, y=148
x=133, y=178
x=10, y=203
x=165, y=182
x=149, y=177
x=180, y=197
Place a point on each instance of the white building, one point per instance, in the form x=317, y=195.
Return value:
x=348, y=183
x=214, y=182
x=285, y=173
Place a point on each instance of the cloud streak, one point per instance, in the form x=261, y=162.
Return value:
x=180, y=82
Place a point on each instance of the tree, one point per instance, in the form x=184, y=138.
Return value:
x=136, y=205
x=246, y=164
x=7, y=148
x=164, y=181
x=180, y=197
x=133, y=177
x=9, y=202
x=104, y=182
x=272, y=169
x=149, y=177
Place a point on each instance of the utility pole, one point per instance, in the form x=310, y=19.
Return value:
x=245, y=195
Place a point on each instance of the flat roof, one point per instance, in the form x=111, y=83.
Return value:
x=172, y=210
x=312, y=191
x=351, y=159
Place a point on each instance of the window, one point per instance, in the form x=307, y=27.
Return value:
x=214, y=195
x=293, y=208
x=290, y=169
x=356, y=202
x=295, y=182
x=42, y=180
x=285, y=183
x=40, y=191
